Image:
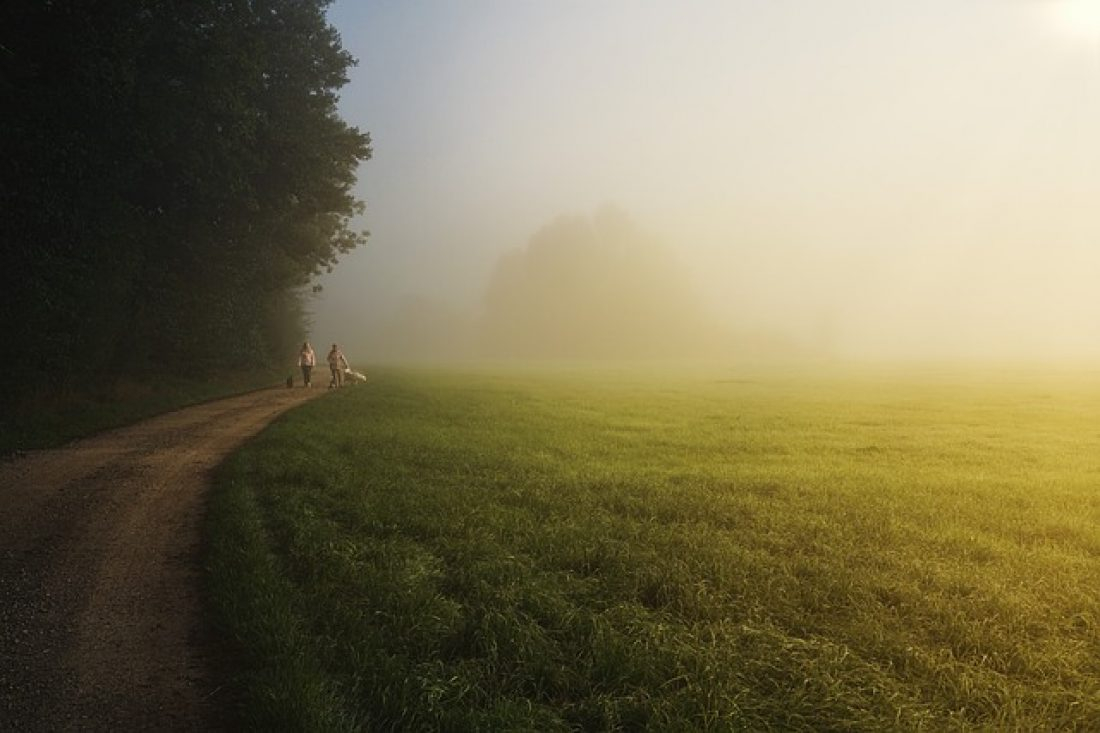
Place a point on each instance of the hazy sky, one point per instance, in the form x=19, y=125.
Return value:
x=879, y=177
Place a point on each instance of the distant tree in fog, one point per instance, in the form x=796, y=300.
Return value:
x=595, y=287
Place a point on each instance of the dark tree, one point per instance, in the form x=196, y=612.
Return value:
x=173, y=174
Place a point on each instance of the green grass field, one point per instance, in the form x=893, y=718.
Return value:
x=626, y=550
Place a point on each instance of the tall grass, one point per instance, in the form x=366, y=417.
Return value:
x=618, y=551
x=50, y=419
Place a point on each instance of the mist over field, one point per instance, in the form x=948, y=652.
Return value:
x=887, y=181
x=584, y=287
x=576, y=292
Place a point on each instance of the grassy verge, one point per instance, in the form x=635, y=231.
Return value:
x=614, y=552
x=53, y=421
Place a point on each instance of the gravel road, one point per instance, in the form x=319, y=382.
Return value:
x=101, y=617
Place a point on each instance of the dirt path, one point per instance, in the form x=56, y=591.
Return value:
x=101, y=625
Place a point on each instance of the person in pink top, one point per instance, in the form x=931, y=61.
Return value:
x=307, y=360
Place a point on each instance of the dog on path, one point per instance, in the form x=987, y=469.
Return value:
x=351, y=376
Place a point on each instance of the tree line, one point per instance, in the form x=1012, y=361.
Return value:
x=173, y=174
x=584, y=287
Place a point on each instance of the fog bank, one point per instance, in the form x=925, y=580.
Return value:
x=846, y=180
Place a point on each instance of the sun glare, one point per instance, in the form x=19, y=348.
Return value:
x=1077, y=18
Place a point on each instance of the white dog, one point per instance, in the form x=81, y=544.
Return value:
x=351, y=376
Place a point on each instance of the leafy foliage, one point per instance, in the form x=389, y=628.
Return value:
x=174, y=173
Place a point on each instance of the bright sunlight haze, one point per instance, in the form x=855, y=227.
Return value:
x=886, y=180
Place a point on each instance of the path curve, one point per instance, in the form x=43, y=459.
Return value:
x=101, y=619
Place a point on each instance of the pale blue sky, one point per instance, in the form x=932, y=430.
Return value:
x=916, y=175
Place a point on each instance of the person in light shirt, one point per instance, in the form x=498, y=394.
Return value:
x=337, y=362
x=307, y=360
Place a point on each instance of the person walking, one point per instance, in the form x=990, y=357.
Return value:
x=307, y=360
x=337, y=362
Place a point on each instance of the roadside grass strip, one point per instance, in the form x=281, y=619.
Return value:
x=595, y=550
x=50, y=420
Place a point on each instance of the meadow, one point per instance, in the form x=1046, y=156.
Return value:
x=742, y=549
